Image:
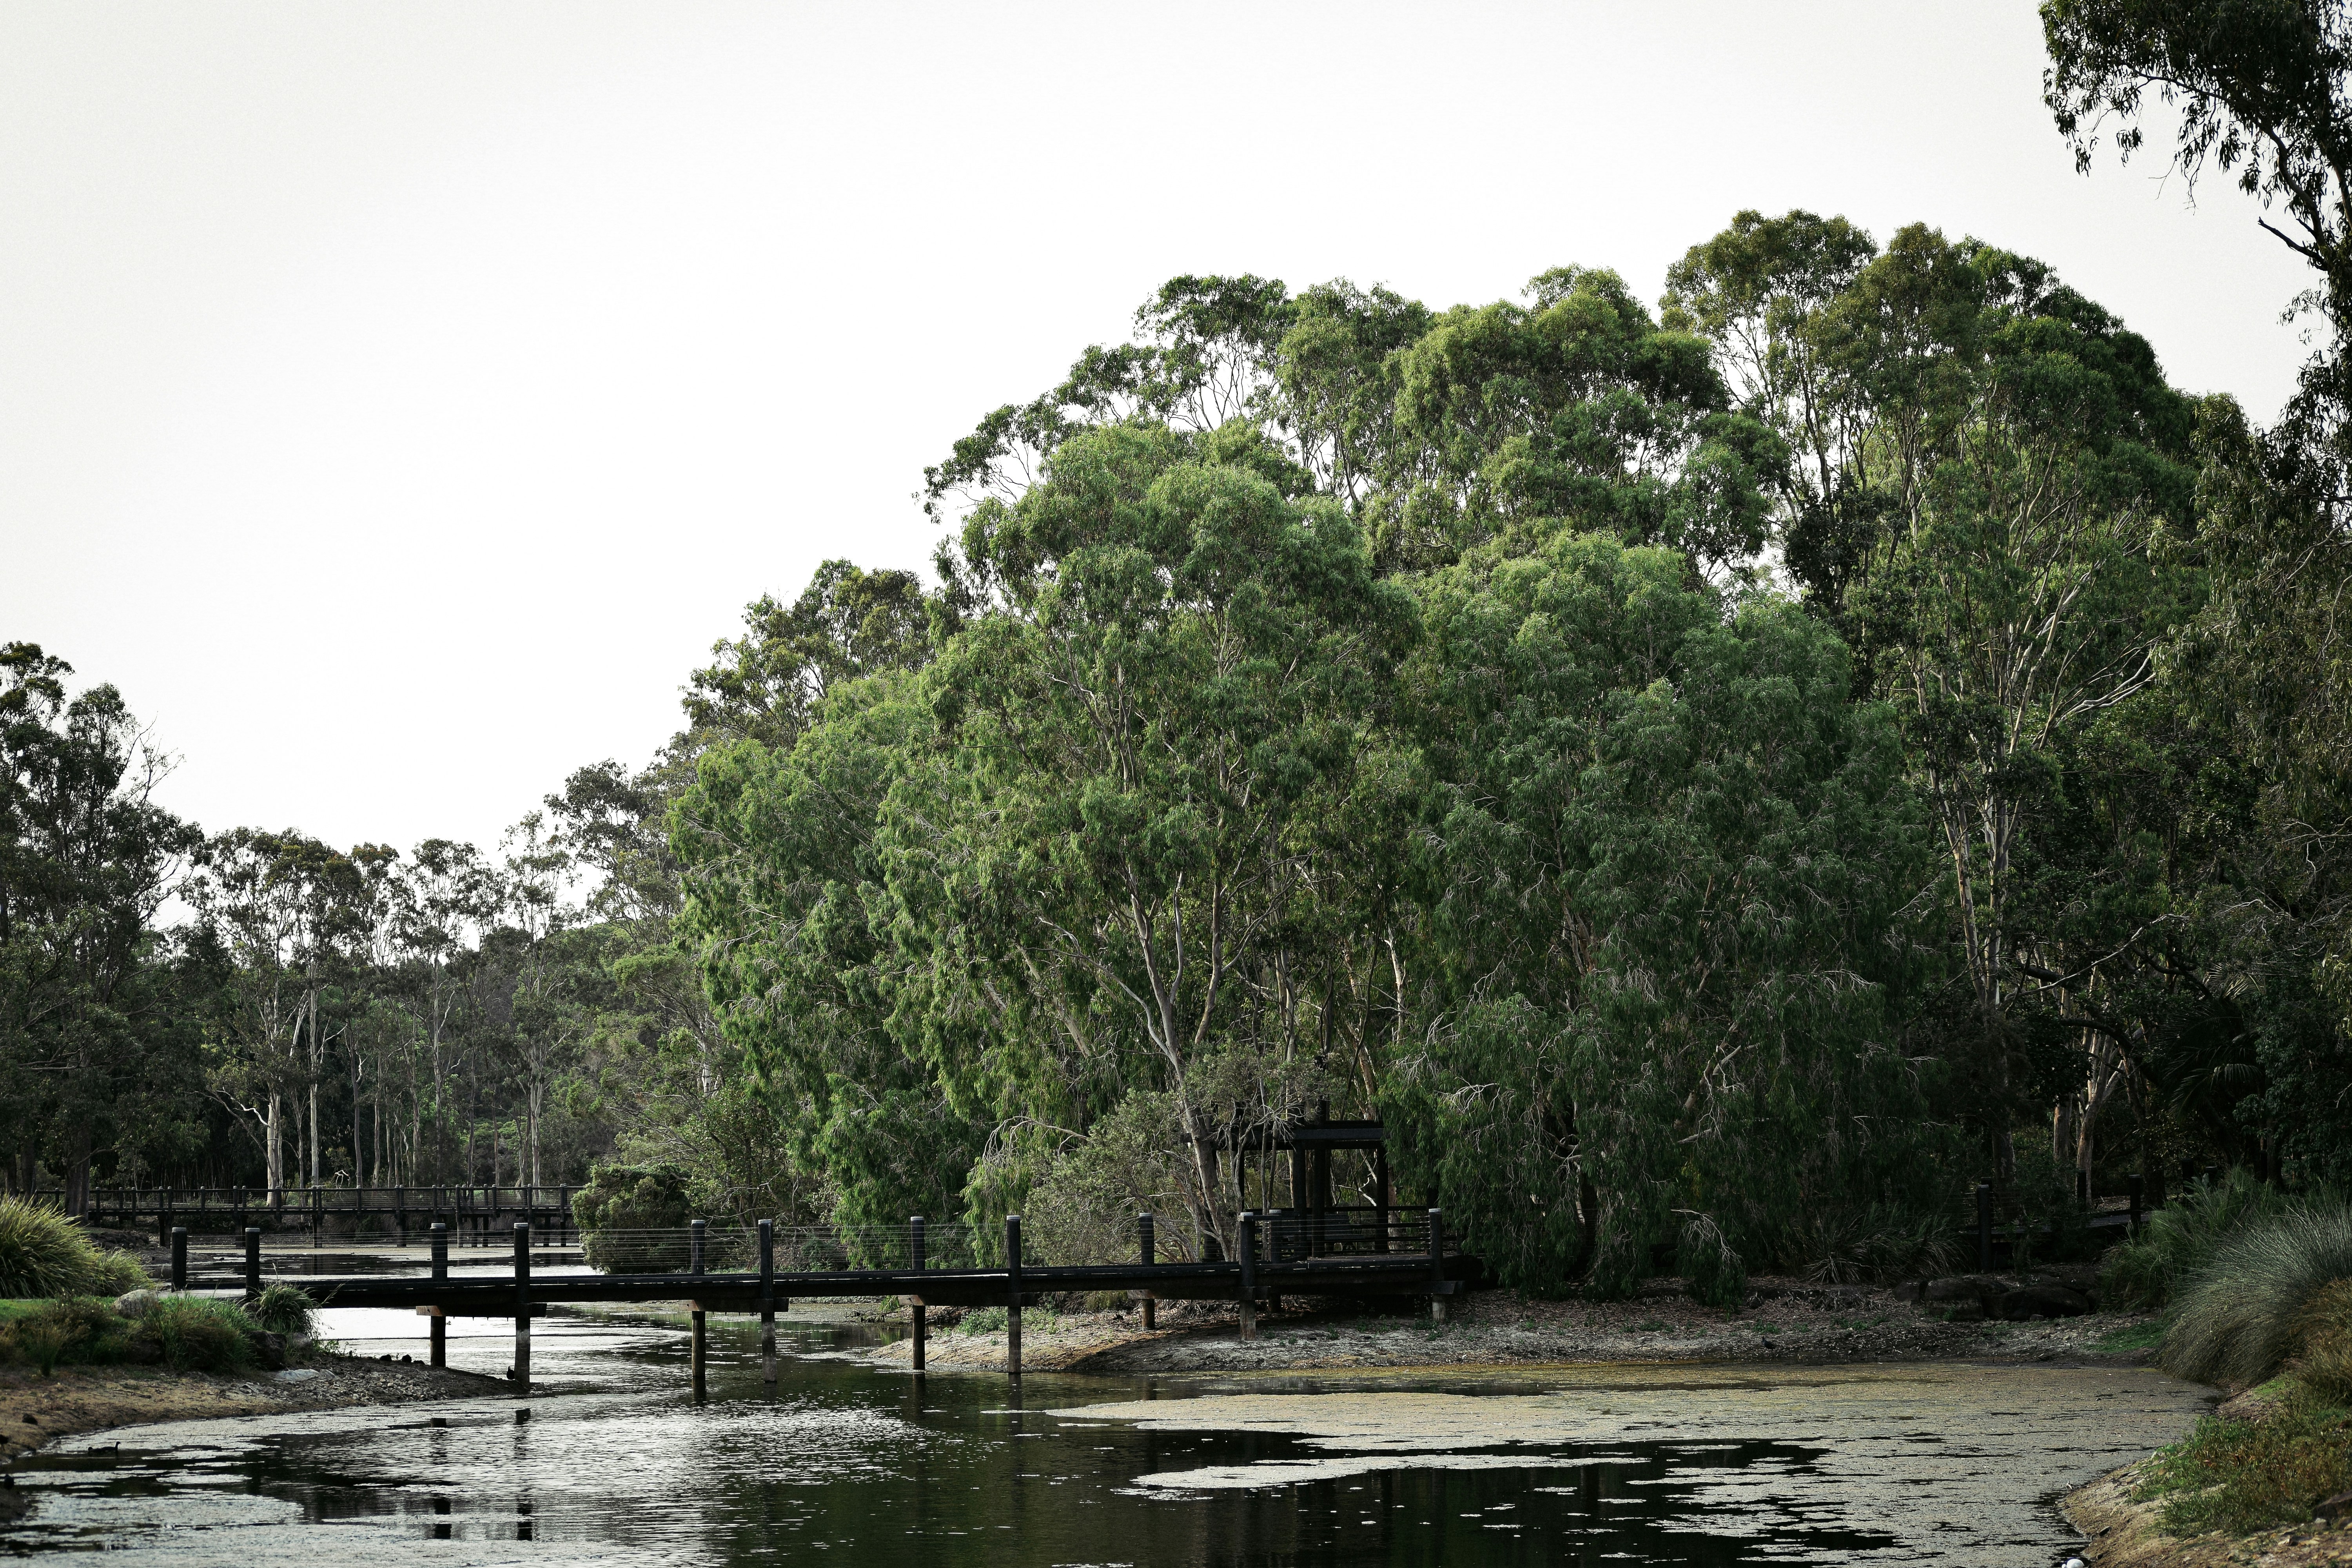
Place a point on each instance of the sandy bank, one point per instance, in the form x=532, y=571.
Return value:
x=35, y=1410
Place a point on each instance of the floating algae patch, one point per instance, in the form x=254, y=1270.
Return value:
x=1931, y=1463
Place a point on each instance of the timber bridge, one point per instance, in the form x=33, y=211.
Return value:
x=1346, y=1254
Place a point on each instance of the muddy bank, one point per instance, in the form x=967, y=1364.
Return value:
x=1786, y=1322
x=33, y=1409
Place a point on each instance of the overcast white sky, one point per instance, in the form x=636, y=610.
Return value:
x=400, y=398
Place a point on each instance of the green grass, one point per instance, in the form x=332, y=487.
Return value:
x=198, y=1333
x=2177, y=1243
x=2145, y=1336
x=69, y=1330
x=2239, y=1317
x=45, y=1254
x=2241, y=1476
x=284, y=1309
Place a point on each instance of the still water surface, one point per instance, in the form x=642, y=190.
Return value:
x=846, y=1465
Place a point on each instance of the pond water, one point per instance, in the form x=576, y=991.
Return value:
x=843, y=1464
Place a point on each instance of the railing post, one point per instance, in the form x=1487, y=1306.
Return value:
x=522, y=1306
x=698, y=1348
x=1013, y=1295
x=1247, y=1248
x=440, y=1235
x=917, y=1259
x=1437, y=1265
x=163, y=1216
x=252, y=1264
x=400, y=1215
x=2137, y=1186
x=1984, y=1227
x=1380, y=1198
x=179, y=1257
x=768, y=1302
x=1147, y=1249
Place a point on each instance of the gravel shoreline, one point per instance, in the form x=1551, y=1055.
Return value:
x=1786, y=1322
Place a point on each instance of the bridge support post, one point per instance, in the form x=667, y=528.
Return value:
x=768, y=1302
x=522, y=1306
x=918, y=1260
x=700, y=1336
x=1247, y=1248
x=252, y=1264
x=1145, y=1250
x=179, y=1257
x=440, y=1271
x=1013, y=1295
x=1437, y=1265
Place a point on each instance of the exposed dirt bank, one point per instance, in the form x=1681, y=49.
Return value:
x=2123, y=1532
x=34, y=1409
x=1789, y=1323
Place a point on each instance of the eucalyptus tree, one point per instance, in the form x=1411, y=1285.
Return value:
x=2258, y=95
x=449, y=893
x=283, y=904
x=85, y=859
x=1666, y=869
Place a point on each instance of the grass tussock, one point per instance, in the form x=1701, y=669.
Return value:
x=44, y=1253
x=2245, y=1314
x=2179, y=1242
x=284, y=1309
x=2241, y=1476
x=198, y=1333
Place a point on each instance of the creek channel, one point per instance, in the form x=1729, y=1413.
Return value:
x=610, y=1461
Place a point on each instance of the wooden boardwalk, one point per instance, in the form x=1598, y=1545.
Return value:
x=1251, y=1281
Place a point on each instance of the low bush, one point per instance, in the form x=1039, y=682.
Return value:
x=199, y=1333
x=2240, y=1318
x=2178, y=1241
x=284, y=1309
x=2240, y=1476
x=45, y=1253
x=73, y=1330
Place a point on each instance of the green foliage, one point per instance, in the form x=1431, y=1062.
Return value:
x=2240, y=1476
x=198, y=1333
x=1672, y=860
x=620, y=1204
x=284, y=1309
x=2138, y=1337
x=2177, y=1242
x=2237, y=1319
x=982, y=1321
x=73, y=1330
x=44, y=1253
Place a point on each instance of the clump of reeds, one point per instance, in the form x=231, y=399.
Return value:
x=45, y=1253
x=2175, y=1243
x=2241, y=1316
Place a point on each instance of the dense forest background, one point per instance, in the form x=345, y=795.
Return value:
x=1718, y=778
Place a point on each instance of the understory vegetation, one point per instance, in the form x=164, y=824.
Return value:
x=43, y=1253
x=186, y=1334
x=1717, y=775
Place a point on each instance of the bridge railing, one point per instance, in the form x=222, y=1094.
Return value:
x=1280, y=1236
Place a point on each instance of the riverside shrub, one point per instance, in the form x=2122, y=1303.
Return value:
x=44, y=1253
x=2240, y=1319
x=197, y=1333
